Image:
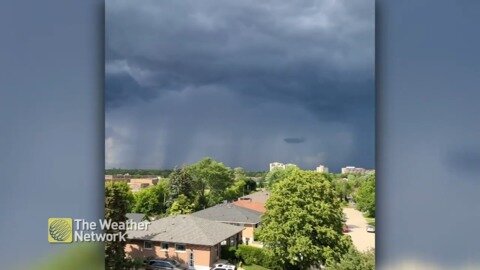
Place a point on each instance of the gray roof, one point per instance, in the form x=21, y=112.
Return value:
x=186, y=229
x=259, y=196
x=228, y=212
x=137, y=217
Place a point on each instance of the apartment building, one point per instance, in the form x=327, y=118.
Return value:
x=322, y=169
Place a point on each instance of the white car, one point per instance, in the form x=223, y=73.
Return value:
x=370, y=229
x=223, y=266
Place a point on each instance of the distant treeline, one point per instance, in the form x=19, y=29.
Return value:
x=256, y=174
x=163, y=173
x=134, y=172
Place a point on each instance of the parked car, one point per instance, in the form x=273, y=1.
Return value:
x=224, y=266
x=345, y=229
x=164, y=265
x=370, y=229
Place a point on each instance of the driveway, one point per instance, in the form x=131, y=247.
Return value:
x=357, y=225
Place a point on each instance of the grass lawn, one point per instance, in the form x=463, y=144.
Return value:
x=254, y=267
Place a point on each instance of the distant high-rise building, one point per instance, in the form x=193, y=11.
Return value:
x=322, y=169
x=276, y=165
x=352, y=169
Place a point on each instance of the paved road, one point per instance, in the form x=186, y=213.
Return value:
x=357, y=224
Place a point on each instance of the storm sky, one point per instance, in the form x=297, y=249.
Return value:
x=245, y=82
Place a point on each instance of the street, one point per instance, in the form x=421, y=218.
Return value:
x=357, y=226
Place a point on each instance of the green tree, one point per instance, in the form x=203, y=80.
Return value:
x=152, y=201
x=355, y=260
x=303, y=222
x=214, y=176
x=182, y=205
x=261, y=182
x=277, y=174
x=241, y=186
x=365, y=196
x=117, y=203
x=238, y=189
x=343, y=187
x=239, y=173
x=251, y=185
x=181, y=183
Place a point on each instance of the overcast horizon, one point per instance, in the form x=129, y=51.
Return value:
x=246, y=83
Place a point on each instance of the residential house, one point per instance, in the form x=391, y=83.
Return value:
x=255, y=201
x=259, y=197
x=249, y=204
x=230, y=213
x=137, y=184
x=192, y=241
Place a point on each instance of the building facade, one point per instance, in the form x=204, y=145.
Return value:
x=355, y=170
x=137, y=184
x=193, y=242
x=322, y=169
x=276, y=165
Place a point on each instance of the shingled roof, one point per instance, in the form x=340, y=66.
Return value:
x=255, y=206
x=137, y=217
x=186, y=229
x=228, y=212
x=259, y=197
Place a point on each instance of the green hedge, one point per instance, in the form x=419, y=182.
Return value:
x=252, y=255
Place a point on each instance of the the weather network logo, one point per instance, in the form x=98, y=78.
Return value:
x=60, y=230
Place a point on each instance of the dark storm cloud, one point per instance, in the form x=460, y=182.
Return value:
x=121, y=87
x=294, y=140
x=247, y=61
x=466, y=160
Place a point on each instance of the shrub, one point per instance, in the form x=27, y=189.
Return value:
x=134, y=263
x=259, y=256
x=354, y=260
x=229, y=253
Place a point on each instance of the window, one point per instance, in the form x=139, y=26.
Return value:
x=147, y=245
x=180, y=247
x=165, y=246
